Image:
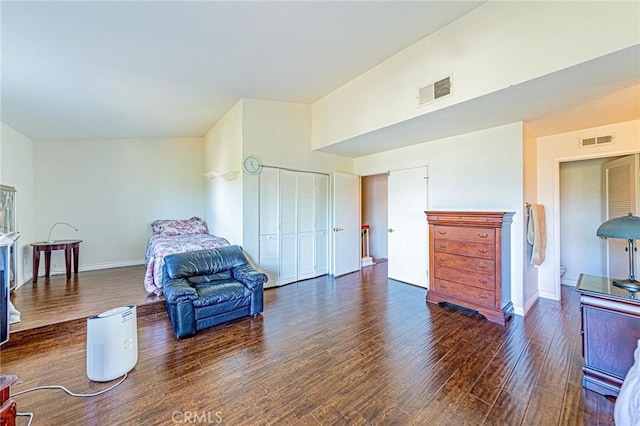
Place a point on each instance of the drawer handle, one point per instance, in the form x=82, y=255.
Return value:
x=483, y=281
x=482, y=235
x=483, y=296
x=443, y=286
x=483, y=251
x=482, y=266
x=442, y=232
x=442, y=259
x=442, y=245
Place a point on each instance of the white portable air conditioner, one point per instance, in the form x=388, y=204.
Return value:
x=112, y=343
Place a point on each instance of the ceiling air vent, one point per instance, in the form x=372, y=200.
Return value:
x=596, y=140
x=436, y=90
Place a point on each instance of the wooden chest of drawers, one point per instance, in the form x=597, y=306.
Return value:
x=469, y=261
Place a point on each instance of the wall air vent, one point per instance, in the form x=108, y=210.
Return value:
x=595, y=141
x=434, y=91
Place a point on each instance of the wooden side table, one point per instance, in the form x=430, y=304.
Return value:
x=47, y=247
x=8, y=409
x=610, y=333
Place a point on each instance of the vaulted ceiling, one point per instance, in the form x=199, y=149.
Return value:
x=172, y=69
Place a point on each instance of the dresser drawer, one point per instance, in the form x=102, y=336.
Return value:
x=463, y=248
x=463, y=292
x=473, y=264
x=473, y=279
x=473, y=235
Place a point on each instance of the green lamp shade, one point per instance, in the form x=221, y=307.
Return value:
x=626, y=227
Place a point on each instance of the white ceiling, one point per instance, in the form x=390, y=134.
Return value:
x=171, y=69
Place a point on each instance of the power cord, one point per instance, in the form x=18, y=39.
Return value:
x=70, y=392
x=83, y=395
x=30, y=415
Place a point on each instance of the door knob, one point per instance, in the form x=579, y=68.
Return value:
x=338, y=229
x=390, y=230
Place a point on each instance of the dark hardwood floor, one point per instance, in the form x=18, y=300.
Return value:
x=360, y=349
x=55, y=300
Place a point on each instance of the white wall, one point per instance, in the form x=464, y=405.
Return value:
x=111, y=190
x=506, y=43
x=16, y=169
x=530, y=169
x=375, y=213
x=581, y=212
x=280, y=134
x=480, y=171
x=223, y=154
x=552, y=150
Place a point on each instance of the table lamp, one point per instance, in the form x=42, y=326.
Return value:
x=49, y=240
x=628, y=228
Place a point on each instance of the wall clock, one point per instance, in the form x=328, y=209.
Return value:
x=252, y=164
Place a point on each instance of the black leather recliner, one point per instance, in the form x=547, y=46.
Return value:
x=204, y=288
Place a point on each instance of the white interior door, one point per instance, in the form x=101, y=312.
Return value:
x=306, y=226
x=408, y=230
x=346, y=223
x=321, y=198
x=288, y=271
x=621, y=198
x=269, y=257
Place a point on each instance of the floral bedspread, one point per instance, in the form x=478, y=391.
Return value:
x=161, y=245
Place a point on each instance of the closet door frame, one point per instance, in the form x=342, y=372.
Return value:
x=290, y=245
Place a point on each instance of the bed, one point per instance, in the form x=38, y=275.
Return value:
x=175, y=236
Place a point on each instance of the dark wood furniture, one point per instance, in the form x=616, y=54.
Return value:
x=47, y=247
x=470, y=261
x=610, y=333
x=8, y=409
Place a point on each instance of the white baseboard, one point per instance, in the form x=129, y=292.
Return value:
x=518, y=310
x=529, y=303
x=25, y=280
x=548, y=295
x=97, y=266
x=108, y=265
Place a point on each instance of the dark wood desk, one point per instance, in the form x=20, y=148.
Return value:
x=610, y=333
x=47, y=247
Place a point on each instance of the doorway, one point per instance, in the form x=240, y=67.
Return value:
x=393, y=206
x=582, y=207
x=375, y=193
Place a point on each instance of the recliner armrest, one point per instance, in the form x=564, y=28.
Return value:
x=248, y=276
x=178, y=290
